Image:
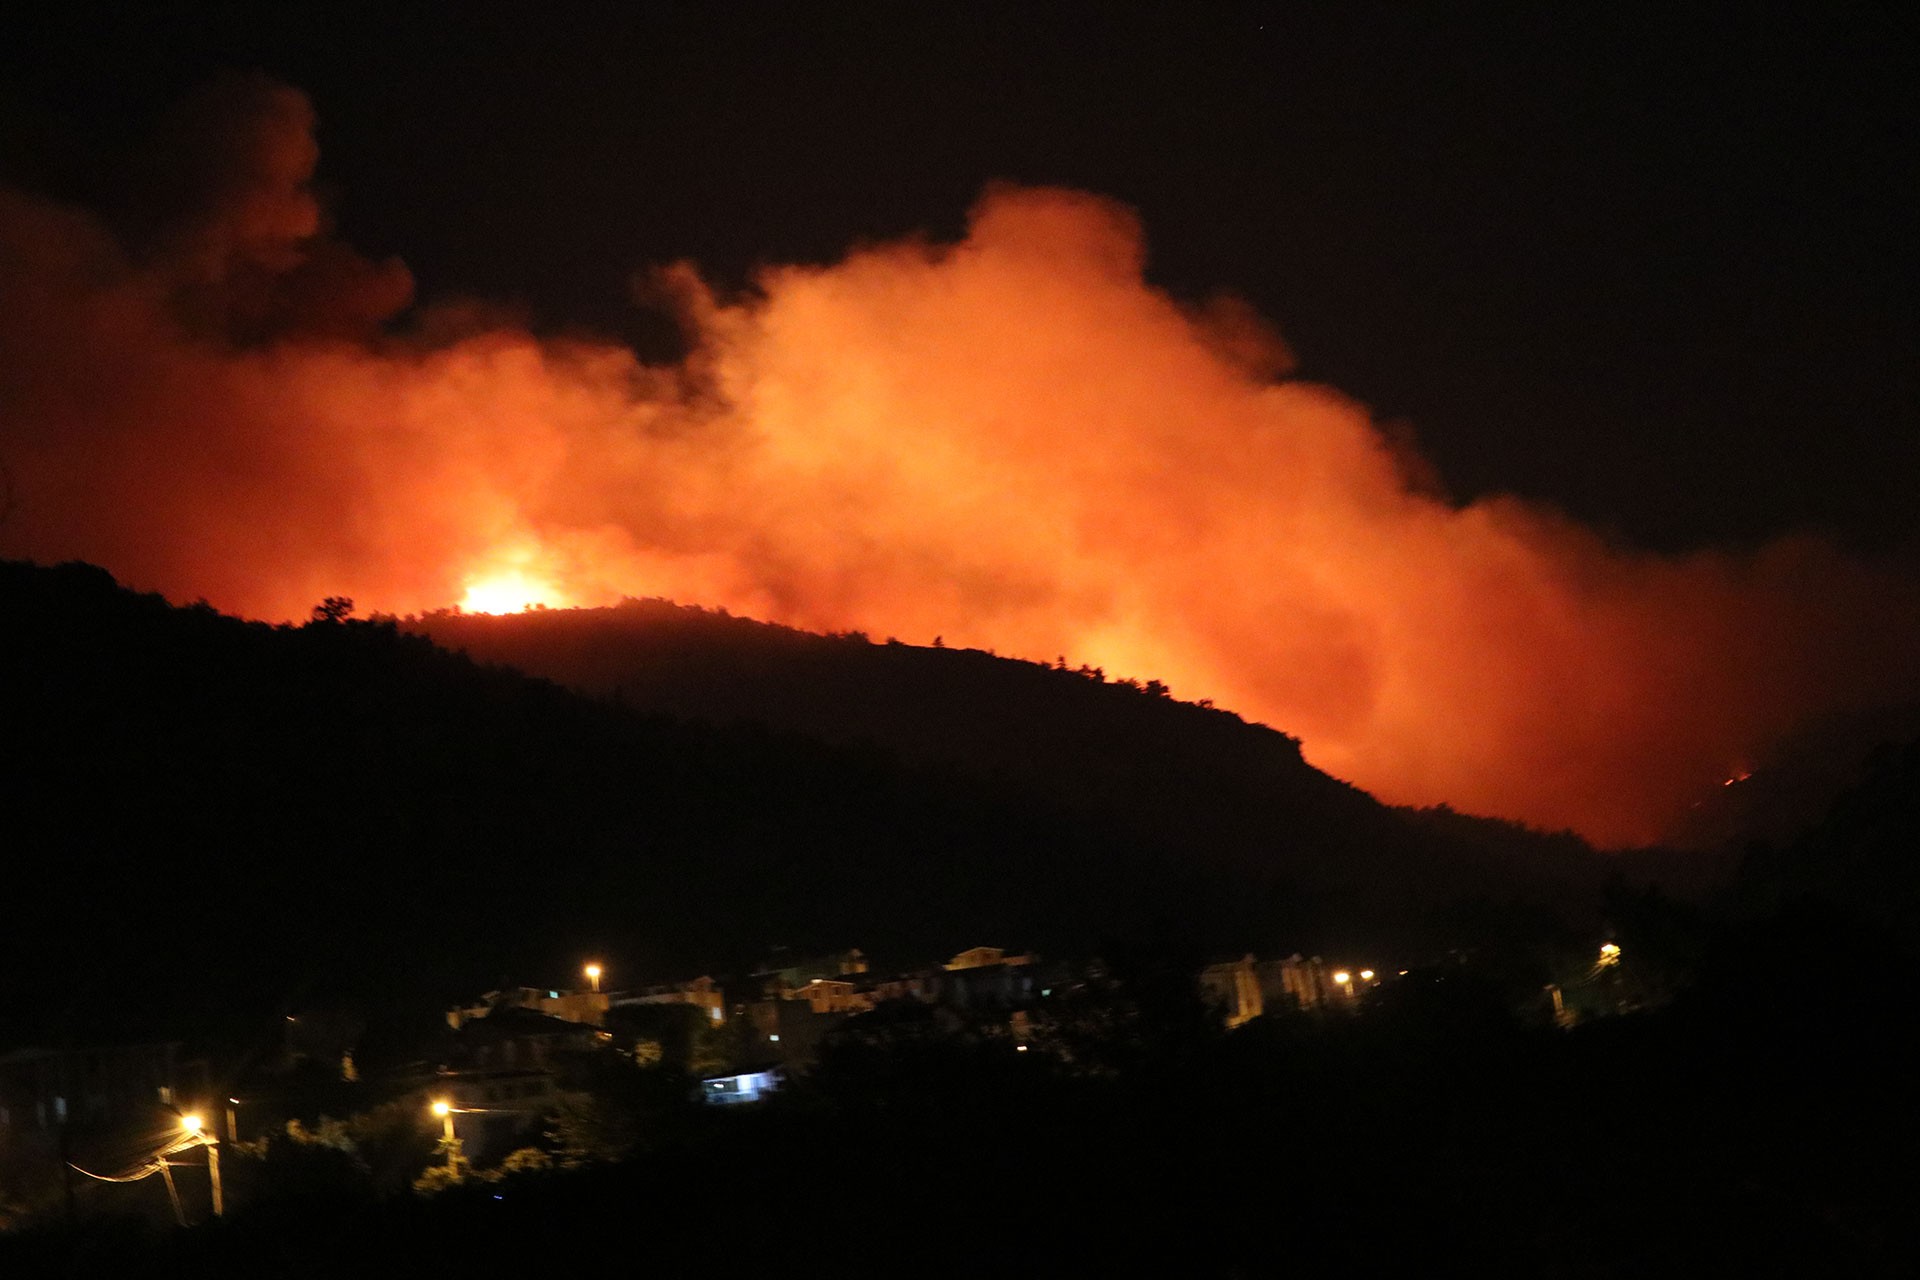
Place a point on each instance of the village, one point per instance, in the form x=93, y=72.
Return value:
x=82, y=1124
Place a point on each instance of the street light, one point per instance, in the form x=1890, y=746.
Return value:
x=444, y=1108
x=593, y=976
x=192, y=1134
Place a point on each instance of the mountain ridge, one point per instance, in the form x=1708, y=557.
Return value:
x=1230, y=791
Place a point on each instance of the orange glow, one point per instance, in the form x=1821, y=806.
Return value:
x=508, y=592
x=1013, y=441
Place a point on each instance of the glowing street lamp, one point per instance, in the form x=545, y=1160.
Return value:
x=1609, y=955
x=444, y=1108
x=593, y=975
x=1366, y=975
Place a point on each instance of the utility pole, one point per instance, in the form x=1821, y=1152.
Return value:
x=213, y=1172
x=196, y=1135
x=166, y=1174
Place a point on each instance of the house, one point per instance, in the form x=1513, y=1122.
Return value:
x=783, y=971
x=988, y=978
x=1232, y=987
x=744, y=1086
x=985, y=957
x=589, y=1008
x=831, y=995
x=43, y=1089
x=506, y=1071
x=977, y=978
x=922, y=985
x=703, y=993
x=515, y=1038
x=1295, y=983
x=787, y=1032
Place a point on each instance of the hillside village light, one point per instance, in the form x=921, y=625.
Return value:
x=1609, y=954
x=444, y=1109
x=593, y=975
x=1366, y=975
x=1344, y=981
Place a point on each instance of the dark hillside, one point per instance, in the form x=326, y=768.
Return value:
x=1861, y=859
x=957, y=706
x=1227, y=793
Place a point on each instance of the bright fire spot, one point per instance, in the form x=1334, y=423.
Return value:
x=1742, y=776
x=509, y=592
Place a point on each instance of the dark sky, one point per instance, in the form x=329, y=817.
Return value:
x=1654, y=266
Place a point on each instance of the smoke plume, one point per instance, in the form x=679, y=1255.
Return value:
x=1010, y=441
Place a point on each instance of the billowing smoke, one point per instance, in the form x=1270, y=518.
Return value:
x=1011, y=441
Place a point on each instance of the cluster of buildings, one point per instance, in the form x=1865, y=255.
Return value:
x=507, y=1060
x=742, y=1048
x=1244, y=989
x=775, y=1023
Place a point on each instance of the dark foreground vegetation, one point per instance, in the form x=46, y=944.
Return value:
x=1760, y=1126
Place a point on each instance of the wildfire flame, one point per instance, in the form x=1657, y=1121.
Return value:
x=510, y=592
x=1014, y=441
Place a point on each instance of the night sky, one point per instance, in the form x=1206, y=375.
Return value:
x=1648, y=265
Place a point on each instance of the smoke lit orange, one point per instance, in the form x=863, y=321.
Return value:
x=1011, y=441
